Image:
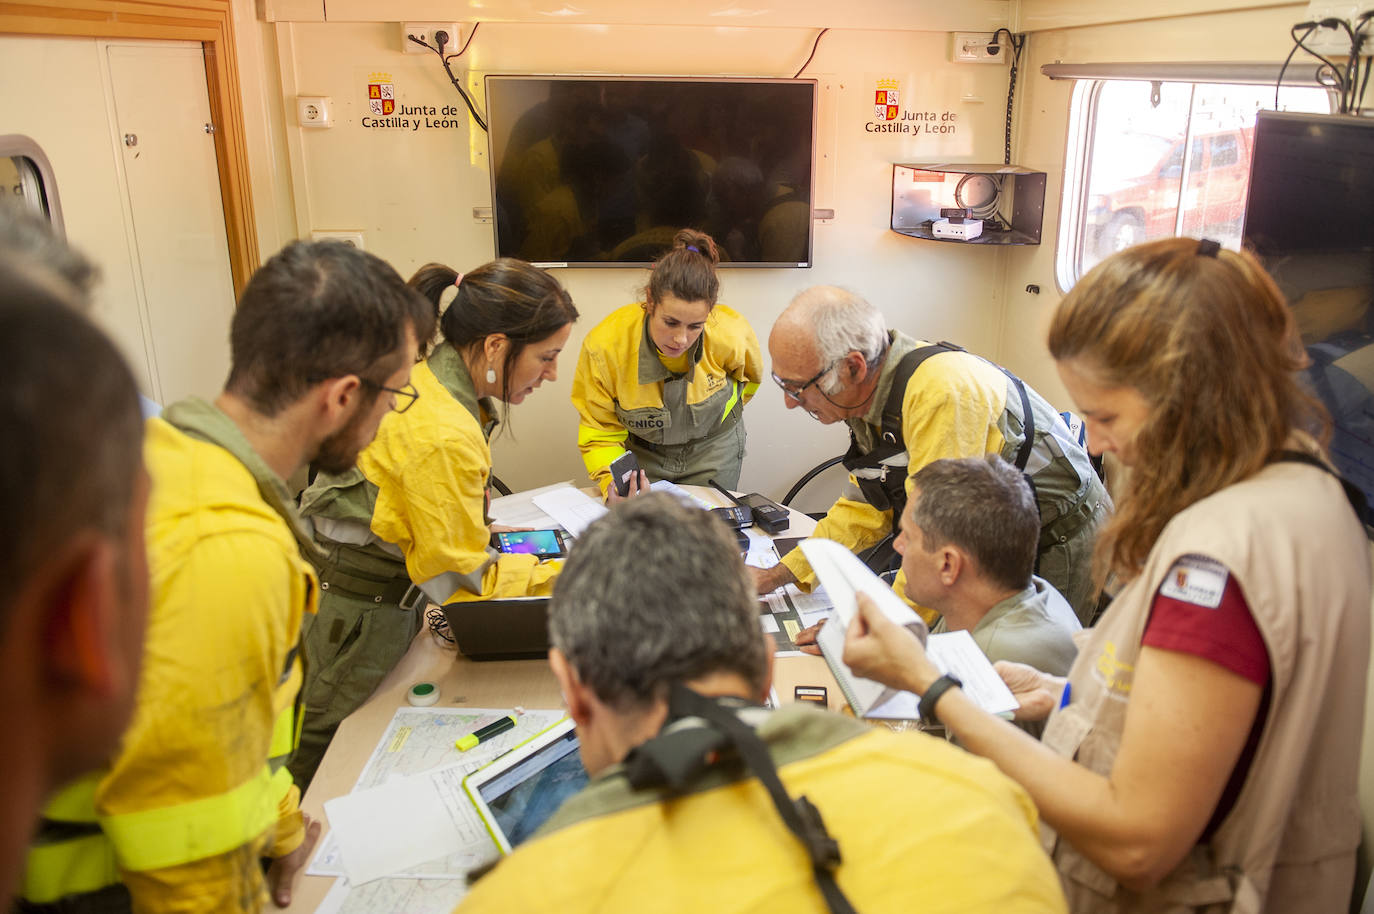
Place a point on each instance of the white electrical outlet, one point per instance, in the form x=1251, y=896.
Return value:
x=1335, y=42
x=351, y=238
x=976, y=47
x=314, y=111
x=428, y=32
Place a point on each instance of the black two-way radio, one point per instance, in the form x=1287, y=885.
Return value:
x=767, y=514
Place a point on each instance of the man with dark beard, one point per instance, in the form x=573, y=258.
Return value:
x=322, y=344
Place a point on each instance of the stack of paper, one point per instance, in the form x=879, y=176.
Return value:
x=408, y=815
x=574, y=510
x=844, y=578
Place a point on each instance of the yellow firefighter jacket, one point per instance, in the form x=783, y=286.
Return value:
x=627, y=399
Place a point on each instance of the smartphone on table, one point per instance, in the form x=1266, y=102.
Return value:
x=543, y=543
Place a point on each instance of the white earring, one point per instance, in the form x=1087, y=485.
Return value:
x=491, y=375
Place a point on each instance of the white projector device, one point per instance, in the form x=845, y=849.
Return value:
x=957, y=231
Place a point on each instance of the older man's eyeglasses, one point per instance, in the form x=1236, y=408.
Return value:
x=795, y=390
x=405, y=396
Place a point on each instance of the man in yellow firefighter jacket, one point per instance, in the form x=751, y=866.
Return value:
x=322, y=337
x=697, y=793
x=73, y=493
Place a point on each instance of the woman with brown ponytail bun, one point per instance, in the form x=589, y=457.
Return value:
x=667, y=378
x=409, y=524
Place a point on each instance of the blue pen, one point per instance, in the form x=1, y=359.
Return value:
x=1064, y=699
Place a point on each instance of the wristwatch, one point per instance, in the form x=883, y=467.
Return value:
x=937, y=688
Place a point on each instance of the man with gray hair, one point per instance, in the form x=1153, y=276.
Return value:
x=908, y=403
x=662, y=665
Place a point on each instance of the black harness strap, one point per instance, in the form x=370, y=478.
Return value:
x=889, y=490
x=1027, y=425
x=883, y=492
x=689, y=755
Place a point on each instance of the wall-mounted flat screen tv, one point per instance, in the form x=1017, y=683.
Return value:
x=602, y=172
x=1309, y=220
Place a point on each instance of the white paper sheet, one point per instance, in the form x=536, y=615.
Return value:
x=413, y=896
x=573, y=510
x=672, y=488
x=761, y=551
x=958, y=653
x=901, y=706
x=811, y=607
x=419, y=740
x=845, y=578
x=519, y=509
x=402, y=823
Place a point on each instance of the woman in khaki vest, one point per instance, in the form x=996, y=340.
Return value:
x=1203, y=753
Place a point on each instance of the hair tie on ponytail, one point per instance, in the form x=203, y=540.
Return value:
x=1208, y=248
x=693, y=248
x=458, y=279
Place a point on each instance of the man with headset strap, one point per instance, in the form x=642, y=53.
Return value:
x=907, y=403
x=661, y=665
x=196, y=795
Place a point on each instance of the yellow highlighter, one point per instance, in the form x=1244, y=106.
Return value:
x=482, y=734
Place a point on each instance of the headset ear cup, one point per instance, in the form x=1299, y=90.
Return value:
x=642, y=770
x=675, y=759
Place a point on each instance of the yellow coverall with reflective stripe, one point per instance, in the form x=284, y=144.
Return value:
x=619, y=387
x=414, y=510
x=229, y=589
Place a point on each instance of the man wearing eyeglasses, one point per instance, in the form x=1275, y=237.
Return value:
x=908, y=403
x=322, y=341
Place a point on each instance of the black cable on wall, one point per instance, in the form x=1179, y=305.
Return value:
x=1016, y=42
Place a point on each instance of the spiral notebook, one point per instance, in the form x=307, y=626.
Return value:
x=844, y=578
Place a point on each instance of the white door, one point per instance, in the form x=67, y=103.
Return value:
x=162, y=122
x=150, y=214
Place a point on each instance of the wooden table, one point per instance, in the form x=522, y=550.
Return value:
x=489, y=684
x=462, y=683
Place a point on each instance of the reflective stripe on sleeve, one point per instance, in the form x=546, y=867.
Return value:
x=285, y=735
x=62, y=860
x=153, y=839
x=730, y=404
x=601, y=458
x=71, y=867
x=588, y=435
x=75, y=802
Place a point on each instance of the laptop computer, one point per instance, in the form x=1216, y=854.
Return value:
x=516, y=628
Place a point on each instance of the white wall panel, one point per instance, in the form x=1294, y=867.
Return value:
x=968, y=15
x=412, y=192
